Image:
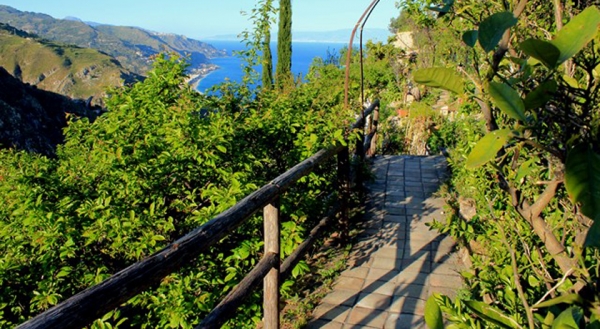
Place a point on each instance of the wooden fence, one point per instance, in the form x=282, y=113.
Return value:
x=83, y=308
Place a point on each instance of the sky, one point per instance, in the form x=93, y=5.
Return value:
x=203, y=18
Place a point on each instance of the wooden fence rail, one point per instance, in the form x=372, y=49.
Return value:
x=86, y=306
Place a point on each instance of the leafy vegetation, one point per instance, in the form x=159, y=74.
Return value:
x=163, y=160
x=528, y=131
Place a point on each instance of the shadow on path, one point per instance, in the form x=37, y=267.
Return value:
x=397, y=262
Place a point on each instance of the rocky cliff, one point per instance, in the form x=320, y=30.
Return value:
x=32, y=119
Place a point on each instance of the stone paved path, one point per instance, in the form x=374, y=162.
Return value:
x=398, y=262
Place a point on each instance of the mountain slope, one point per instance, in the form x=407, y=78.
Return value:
x=132, y=46
x=68, y=70
x=151, y=43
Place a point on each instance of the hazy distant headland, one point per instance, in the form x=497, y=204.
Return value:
x=337, y=36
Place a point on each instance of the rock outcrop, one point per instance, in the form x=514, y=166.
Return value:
x=32, y=119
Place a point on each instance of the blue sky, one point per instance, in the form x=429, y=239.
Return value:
x=202, y=18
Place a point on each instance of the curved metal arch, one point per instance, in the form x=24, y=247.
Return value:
x=361, y=22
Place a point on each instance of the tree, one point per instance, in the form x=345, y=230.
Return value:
x=267, y=62
x=258, y=40
x=284, y=43
x=267, y=57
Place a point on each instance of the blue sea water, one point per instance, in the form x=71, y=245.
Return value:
x=230, y=67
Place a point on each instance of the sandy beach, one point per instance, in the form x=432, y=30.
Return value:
x=196, y=75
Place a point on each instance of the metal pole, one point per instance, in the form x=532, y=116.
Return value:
x=362, y=75
x=349, y=55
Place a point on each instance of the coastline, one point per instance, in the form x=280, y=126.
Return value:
x=197, y=74
x=230, y=68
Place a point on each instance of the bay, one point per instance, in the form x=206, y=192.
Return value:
x=230, y=67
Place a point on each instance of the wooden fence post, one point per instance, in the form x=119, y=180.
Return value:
x=360, y=142
x=360, y=152
x=344, y=187
x=374, y=130
x=271, y=281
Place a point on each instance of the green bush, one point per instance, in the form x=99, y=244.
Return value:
x=162, y=161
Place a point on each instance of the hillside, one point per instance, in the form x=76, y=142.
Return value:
x=65, y=69
x=32, y=119
x=151, y=43
x=132, y=46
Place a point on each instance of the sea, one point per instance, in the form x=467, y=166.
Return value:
x=230, y=67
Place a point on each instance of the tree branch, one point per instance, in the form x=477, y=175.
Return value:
x=490, y=121
x=517, y=279
x=532, y=215
x=536, y=209
x=503, y=45
x=558, y=15
x=551, y=291
x=520, y=8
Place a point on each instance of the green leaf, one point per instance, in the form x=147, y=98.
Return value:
x=439, y=77
x=230, y=276
x=492, y=314
x=221, y=148
x=547, y=321
x=64, y=271
x=544, y=51
x=508, y=100
x=541, y=95
x=568, y=319
x=572, y=82
x=533, y=281
x=564, y=299
x=594, y=322
x=433, y=314
x=152, y=208
x=592, y=239
x=470, y=38
x=582, y=179
x=525, y=169
x=577, y=33
x=52, y=299
x=300, y=269
x=492, y=28
x=158, y=237
x=487, y=148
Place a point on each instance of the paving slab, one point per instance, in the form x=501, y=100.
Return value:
x=405, y=321
x=397, y=262
x=361, y=317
